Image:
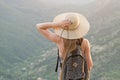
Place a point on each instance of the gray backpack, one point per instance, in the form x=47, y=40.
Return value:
x=75, y=67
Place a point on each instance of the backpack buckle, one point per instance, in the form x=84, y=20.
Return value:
x=74, y=64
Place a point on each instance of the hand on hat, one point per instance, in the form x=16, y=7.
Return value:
x=65, y=24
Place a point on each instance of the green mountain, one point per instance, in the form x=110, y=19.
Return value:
x=105, y=41
x=19, y=39
x=27, y=55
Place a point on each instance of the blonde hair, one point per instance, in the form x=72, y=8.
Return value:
x=69, y=45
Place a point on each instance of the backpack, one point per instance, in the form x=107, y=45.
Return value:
x=75, y=67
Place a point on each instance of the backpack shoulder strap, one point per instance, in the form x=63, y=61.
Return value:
x=79, y=42
x=58, y=59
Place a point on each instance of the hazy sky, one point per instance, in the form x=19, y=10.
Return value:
x=59, y=2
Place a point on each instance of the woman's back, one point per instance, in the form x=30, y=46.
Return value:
x=62, y=48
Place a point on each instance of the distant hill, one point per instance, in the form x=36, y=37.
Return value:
x=19, y=39
x=105, y=40
x=27, y=55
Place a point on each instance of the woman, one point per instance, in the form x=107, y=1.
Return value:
x=69, y=29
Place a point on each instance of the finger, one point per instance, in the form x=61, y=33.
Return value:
x=69, y=21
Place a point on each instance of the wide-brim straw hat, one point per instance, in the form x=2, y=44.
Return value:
x=79, y=27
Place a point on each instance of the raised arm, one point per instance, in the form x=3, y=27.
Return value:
x=43, y=28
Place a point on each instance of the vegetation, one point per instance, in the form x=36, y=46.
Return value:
x=27, y=55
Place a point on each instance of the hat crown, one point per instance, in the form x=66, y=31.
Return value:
x=74, y=20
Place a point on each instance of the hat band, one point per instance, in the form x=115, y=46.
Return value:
x=73, y=28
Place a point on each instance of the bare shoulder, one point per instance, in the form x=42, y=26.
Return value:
x=85, y=43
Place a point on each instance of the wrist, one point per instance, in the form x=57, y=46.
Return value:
x=56, y=24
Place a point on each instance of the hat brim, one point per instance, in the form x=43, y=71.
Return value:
x=79, y=32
